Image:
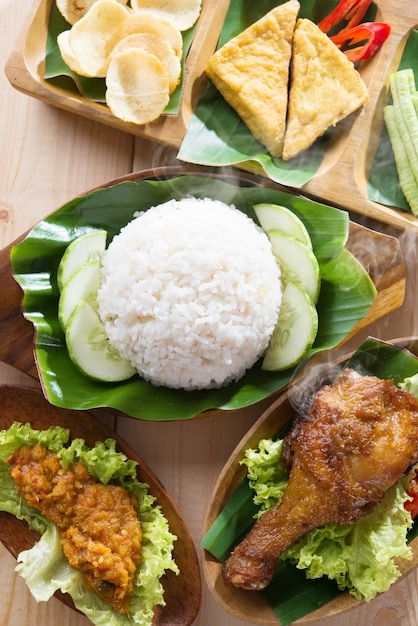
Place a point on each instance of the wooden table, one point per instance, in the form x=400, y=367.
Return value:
x=48, y=157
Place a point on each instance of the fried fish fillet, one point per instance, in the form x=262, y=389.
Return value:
x=251, y=71
x=325, y=88
x=357, y=437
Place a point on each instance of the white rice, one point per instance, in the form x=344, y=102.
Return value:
x=190, y=293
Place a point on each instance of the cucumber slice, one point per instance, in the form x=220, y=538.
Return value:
x=89, y=348
x=297, y=262
x=295, y=331
x=277, y=217
x=85, y=248
x=82, y=285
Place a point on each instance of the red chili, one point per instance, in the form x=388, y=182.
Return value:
x=351, y=11
x=412, y=505
x=372, y=34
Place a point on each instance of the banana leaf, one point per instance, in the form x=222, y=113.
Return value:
x=217, y=136
x=383, y=183
x=290, y=594
x=346, y=293
x=58, y=72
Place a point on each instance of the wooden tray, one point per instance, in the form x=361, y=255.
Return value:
x=354, y=141
x=350, y=158
x=380, y=254
x=26, y=64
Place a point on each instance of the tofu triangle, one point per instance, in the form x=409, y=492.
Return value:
x=251, y=71
x=325, y=88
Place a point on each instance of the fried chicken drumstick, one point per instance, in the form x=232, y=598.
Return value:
x=357, y=437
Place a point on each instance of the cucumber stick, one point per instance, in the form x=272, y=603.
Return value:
x=87, y=247
x=89, y=347
x=407, y=179
x=295, y=331
x=402, y=125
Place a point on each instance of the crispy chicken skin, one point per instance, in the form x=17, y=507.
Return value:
x=357, y=437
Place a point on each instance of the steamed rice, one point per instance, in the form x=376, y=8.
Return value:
x=190, y=293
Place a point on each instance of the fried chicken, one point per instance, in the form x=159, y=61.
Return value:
x=357, y=437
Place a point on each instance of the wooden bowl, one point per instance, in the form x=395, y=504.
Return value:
x=249, y=605
x=182, y=593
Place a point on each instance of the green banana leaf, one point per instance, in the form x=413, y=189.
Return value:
x=383, y=183
x=217, y=136
x=93, y=89
x=346, y=293
x=291, y=594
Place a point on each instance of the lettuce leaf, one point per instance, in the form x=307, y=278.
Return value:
x=360, y=556
x=45, y=568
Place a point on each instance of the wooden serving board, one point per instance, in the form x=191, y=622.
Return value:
x=342, y=178
x=380, y=255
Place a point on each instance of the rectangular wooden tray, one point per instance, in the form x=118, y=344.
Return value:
x=342, y=177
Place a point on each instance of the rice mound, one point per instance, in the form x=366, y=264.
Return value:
x=190, y=293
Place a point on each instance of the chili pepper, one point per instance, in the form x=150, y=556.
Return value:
x=412, y=505
x=351, y=11
x=371, y=34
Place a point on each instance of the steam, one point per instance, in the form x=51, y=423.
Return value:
x=383, y=261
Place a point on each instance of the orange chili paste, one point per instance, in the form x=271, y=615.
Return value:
x=99, y=526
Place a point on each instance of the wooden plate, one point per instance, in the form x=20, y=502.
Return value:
x=26, y=64
x=380, y=254
x=348, y=158
x=182, y=592
x=248, y=605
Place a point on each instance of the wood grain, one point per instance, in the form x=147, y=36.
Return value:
x=49, y=156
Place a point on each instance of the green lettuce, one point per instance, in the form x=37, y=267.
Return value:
x=360, y=556
x=45, y=568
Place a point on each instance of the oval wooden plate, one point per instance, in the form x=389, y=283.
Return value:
x=380, y=254
x=182, y=592
x=248, y=605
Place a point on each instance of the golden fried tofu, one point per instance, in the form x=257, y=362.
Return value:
x=251, y=71
x=325, y=88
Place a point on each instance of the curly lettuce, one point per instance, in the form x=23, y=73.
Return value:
x=359, y=557
x=45, y=568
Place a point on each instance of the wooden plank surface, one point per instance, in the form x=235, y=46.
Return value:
x=48, y=157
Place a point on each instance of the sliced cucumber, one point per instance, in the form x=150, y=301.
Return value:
x=277, y=217
x=89, y=348
x=295, y=331
x=297, y=262
x=85, y=248
x=82, y=285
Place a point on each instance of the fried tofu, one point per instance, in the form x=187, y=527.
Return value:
x=251, y=71
x=325, y=88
